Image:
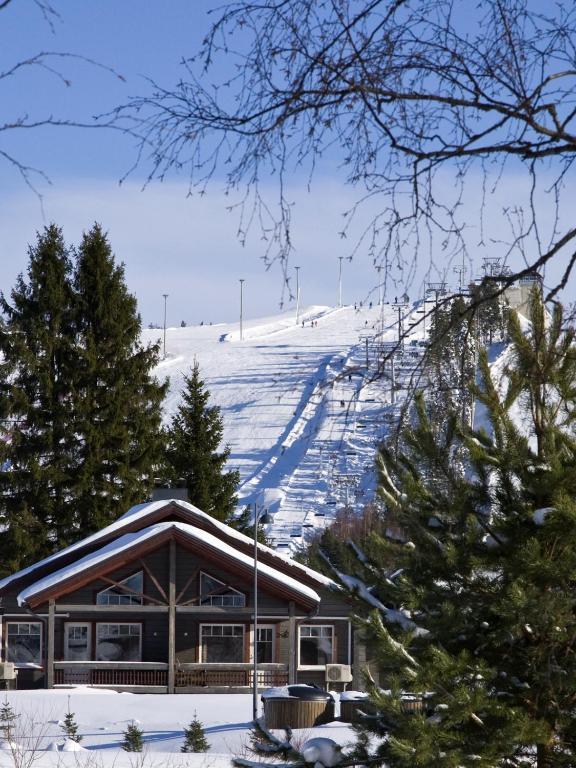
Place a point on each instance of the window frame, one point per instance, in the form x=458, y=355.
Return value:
x=119, y=624
x=132, y=597
x=316, y=626
x=210, y=597
x=40, y=662
x=219, y=624
x=272, y=628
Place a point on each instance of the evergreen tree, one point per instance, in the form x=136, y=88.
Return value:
x=194, y=738
x=193, y=439
x=36, y=346
x=133, y=738
x=8, y=719
x=69, y=726
x=244, y=522
x=480, y=621
x=451, y=357
x=117, y=401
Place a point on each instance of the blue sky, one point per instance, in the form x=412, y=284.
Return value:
x=170, y=243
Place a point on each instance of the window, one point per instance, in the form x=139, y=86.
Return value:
x=222, y=643
x=117, y=596
x=118, y=642
x=265, y=645
x=215, y=592
x=24, y=642
x=77, y=642
x=316, y=646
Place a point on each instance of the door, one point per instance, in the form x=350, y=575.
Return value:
x=77, y=642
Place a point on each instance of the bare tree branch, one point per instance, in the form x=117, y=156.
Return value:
x=406, y=97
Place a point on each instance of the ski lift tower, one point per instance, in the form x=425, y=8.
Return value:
x=437, y=290
x=492, y=267
x=400, y=306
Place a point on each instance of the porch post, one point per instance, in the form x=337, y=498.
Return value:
x=292, y=642
x=172, y=617
x=50, y=645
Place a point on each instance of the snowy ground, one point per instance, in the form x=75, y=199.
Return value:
x=103, y=716
x=301, y=414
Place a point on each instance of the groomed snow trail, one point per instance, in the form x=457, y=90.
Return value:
x=301, y=413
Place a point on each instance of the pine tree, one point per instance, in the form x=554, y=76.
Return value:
x=69, y=726
x=451, y=357
x=193, y=439
x=8, y=719
x=479, y=621
x=195, y=738
x=133, y=738
x=244, y=522
x=117, y=401
x=36, y=336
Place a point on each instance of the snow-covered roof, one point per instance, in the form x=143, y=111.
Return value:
x=130, y=540
x=140, y=512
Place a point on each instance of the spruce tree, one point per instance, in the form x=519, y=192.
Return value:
x=36, y=346
x=194, y=737
x=8, y=718
x=69, y=726
x=193, y=440
x=117, y=400
x=480, y=620
x=133, y=738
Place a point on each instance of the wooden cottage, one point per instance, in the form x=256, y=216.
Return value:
x=163, y=600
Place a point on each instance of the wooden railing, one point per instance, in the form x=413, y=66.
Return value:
x=112, y=674
x=236, y=675
x=148, y=674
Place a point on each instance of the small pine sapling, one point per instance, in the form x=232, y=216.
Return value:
x=69, y=726
x=132, y=738
x=194, y=737
x=7, y=721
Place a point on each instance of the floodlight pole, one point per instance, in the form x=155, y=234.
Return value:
x=297, y=294
x=255, y=629
x=241, y=308
x=380, y=297
x=340, y=281
x=165, y=298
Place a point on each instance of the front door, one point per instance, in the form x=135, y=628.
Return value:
x=77, y=642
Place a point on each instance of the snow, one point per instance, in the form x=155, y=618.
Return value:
x=322, y=752
x=301, y=413
x=353, y=696
x=130, y=540
x=540, y=515
x=103, y=718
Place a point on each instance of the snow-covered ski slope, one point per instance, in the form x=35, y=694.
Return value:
x=301, y=413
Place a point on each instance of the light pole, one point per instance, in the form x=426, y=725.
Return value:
x=241, y=308
x=165, y=298
x=380, y=297
x=297, y=294
x=255, y=643
x=340, y=282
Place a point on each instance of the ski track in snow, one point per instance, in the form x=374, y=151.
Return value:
x=301, y=416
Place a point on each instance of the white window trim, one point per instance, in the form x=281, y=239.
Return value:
x=232, y=589
x=117, y=624
x=124, y=594
x=219, y=624
x=316, y=666
x=40, y=624
x=251, y=637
